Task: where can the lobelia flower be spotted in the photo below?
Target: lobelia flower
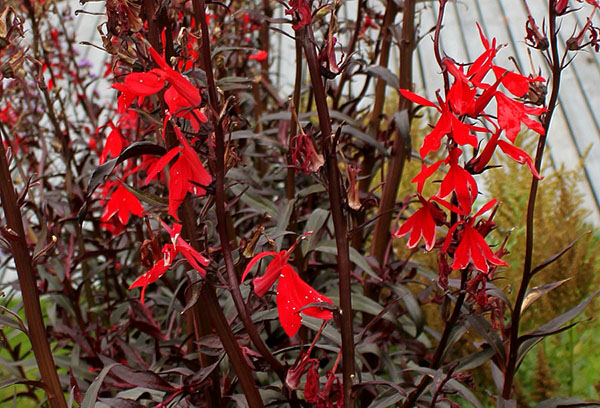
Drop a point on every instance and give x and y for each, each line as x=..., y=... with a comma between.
x=160, y=267
x=458, y=181
x=123, y=203
x=422, y=224
x=187, y=174
x=113, y=144
x=258, y=56
x=472, y=247
x=170, y=251
x=293, y=294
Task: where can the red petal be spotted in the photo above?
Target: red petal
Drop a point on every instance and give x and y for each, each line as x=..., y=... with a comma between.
x=419, y=100
x=258, y=56
x=520, y=156
x=433, y=140
x=183, y=86
x=293, y=294
x=160, y=164
x=254, y=260
x=144, y=83
x=517, y=84
x=461, y=133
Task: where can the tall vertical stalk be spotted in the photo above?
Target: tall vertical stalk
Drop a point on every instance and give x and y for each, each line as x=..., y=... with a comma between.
x=27, y=281
x=339, y=219
x=381, y=234
x=200, y=15
x=556, y=66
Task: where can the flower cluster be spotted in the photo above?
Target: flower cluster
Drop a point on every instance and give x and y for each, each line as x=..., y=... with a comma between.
x=186, y=173
x=463, y=117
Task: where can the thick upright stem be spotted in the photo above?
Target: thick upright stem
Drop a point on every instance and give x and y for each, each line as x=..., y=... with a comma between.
x=200, y=15
x=439, y=351
x=556, y=65
x=339, y=219
x=27, y=282
x=381, y=235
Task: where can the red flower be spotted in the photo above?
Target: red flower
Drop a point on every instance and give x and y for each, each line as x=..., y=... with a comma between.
x=448, y=124
x=181, y=84
x=159, y=269
x=170, y=251
x=459, y=181
x=195, y=259
x=472, y=246
x=258, y=56
x=138, y=85
x=123, y=203
x=520, y=156
x=186, y=174
x=113, y=144
x=512, y=113
x=292, y=292
x=421, y=224
x=180, y=107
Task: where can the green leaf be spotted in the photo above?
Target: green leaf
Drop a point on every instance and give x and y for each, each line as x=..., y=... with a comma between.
x=91, y=395
x=384, y=73
x=484, y=329
x=412, y=307
x=464, y=392
x=328, y=332
x=361, y=303
x=475, y=360
x=145, y=197
x=315, y=223
x=534, y=293
x=365, y=137
x=551, y=327
x=283, y=219
x=255, y=201
x=566, y=402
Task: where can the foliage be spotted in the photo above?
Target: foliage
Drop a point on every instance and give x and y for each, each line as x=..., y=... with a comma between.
x=207, y=241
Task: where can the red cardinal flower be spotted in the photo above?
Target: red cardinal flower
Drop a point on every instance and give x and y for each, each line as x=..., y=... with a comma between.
x=113, y=144
x=180, y=107
x=170, y=251
x=512, y=113
x=292, y=292
x=421, y=224
x=187, y=174
x=195, y=259
x=159, y=269
x=123, y=203
x=138, y=85
x=459, y=181
x=472, y=246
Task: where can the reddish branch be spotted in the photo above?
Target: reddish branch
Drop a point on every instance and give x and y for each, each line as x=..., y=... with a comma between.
x=339, y=219
x=557, y=67
x=38, y=336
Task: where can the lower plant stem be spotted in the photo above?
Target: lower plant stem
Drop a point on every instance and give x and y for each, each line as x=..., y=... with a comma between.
x=27, y=282
x=436, y=361
x=231, y=346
